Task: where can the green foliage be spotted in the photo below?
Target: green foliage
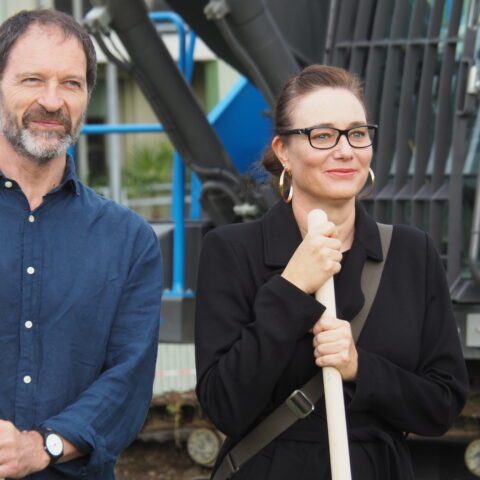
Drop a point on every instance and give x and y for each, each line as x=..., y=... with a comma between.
x=99, y=183
x=146, y=167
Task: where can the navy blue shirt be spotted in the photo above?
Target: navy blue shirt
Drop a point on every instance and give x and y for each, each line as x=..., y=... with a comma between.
x=80, y=288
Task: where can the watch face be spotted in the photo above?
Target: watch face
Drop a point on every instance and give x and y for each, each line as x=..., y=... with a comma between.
x=54, y=444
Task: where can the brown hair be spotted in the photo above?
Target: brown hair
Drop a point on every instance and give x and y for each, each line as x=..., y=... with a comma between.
x=309, y=79
x=14, y=27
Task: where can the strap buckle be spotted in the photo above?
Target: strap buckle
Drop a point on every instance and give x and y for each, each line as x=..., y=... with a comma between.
x=300, y=404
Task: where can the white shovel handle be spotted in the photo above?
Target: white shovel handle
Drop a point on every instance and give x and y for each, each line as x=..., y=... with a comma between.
x=332, y=382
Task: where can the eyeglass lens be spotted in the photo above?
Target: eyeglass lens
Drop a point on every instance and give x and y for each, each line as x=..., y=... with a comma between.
x=325, y=137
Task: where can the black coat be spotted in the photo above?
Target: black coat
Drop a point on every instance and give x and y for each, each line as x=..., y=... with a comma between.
x=253, y=347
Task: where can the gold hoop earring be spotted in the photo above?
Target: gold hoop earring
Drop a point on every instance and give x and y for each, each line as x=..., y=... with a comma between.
x=372, y=186
x=280, y=186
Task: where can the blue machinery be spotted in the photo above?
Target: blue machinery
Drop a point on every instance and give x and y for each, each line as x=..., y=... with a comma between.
x=243, y=141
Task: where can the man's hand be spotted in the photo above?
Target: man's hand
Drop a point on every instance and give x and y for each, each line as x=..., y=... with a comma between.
x=21, y=453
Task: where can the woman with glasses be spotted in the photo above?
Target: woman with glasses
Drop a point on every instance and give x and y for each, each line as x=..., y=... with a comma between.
x=261, y=335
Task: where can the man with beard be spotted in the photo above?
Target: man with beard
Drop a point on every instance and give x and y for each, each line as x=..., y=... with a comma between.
x=80, y=276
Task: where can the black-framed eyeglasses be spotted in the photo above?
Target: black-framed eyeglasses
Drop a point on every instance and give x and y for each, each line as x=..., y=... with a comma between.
x=359, y=136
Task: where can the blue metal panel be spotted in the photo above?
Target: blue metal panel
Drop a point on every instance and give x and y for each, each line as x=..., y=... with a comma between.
x=243, y=123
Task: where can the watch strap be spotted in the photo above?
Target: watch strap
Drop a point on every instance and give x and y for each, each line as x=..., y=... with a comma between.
x=45, y=432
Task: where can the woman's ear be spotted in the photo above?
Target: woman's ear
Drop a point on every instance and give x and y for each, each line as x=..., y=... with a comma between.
x=280, y=149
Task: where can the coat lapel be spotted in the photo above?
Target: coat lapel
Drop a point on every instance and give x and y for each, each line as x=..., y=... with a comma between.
x=366, y=233
x=281, y=235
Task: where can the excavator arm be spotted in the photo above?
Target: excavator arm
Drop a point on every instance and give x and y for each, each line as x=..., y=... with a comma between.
x=225, y=192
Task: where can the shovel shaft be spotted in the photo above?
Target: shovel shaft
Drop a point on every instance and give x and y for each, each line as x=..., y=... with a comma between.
x=332, y=382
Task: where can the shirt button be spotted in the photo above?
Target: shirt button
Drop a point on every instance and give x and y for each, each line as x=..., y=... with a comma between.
x=27, y=379
x=30, y=270
x=28, y=324
x=31, y=218
x=8, y=184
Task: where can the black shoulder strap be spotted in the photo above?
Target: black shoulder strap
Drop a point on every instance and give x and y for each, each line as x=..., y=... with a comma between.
x=302, y=402
x=371, y=275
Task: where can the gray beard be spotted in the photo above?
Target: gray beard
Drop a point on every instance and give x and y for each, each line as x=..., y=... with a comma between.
x=31, y=145
x=37, y=146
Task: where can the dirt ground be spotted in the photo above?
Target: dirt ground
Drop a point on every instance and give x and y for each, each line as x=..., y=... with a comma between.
x=152, y=460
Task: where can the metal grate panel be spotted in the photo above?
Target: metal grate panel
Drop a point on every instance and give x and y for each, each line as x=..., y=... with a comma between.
x=415, y=58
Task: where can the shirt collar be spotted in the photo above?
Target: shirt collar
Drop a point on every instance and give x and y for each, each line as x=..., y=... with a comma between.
x=70, y=179
x=282, y=235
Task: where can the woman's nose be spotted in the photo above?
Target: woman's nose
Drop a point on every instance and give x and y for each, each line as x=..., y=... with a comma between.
x=343, y=146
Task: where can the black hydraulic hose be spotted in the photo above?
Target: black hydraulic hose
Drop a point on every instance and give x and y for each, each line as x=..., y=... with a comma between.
x=251, y=67
x=171, y=97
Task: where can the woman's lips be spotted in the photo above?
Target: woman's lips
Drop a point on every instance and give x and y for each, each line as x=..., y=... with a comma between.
x=342, y=172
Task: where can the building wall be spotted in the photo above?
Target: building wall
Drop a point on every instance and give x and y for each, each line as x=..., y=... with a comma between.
x=9, y=7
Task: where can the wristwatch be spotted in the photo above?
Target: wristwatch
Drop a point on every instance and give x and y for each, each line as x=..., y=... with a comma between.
x=52, y=443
